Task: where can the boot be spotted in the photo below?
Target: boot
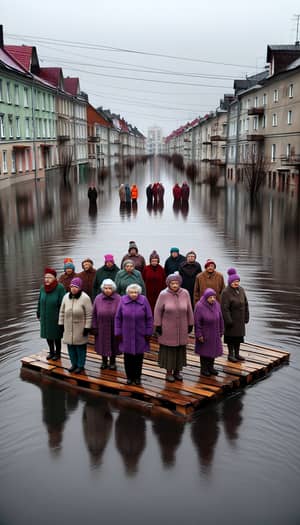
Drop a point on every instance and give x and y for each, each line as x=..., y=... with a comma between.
x=231, y=354
x=51, y=355
x=204, y=366
x=211, y=368
x=177, y=375
x=104, y=363
x=237, y=354
x=112, y=363
x=56, y=356
x=169, y=376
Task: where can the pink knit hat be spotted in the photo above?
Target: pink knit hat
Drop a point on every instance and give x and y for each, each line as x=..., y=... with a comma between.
x=76, y=282
x=109, y=258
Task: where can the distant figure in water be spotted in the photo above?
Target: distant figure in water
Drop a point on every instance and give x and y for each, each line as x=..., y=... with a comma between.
x=92, y=194
x=160, y=192
x=134, y=193
x=122, y=193
x=177, y=192
x=149, y=193
x=185, y=192
x=127, y=193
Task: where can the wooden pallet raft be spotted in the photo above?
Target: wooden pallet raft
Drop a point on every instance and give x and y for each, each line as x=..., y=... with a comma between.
x=182, y=398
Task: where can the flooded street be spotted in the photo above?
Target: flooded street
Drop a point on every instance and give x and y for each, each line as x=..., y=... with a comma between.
x=65, y=458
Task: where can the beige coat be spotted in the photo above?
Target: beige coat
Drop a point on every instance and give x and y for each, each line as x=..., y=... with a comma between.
x=76, y=315
x=205, y=280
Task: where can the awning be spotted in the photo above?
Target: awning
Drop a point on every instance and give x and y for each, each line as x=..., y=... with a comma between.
x=46, y=145
x=20, y=146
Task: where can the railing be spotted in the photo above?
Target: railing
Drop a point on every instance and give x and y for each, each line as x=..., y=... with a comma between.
x=63, y=138
x=217, y=162
x=215, y=138
x=255, y=137
x=290, y=160
x=256, y=111
x=93, y=138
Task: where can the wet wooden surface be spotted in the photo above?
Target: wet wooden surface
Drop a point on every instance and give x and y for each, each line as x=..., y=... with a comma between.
x=181, y=397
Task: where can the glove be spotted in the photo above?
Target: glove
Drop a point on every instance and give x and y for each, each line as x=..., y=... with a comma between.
x=38, y=316
x=158, y=330
x=147, y=338
x=190, y=328
x=201, y=339
x=85, y=332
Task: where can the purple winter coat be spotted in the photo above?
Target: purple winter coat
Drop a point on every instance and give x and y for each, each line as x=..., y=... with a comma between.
x=134, y=322
x=104, y=311
x=209, y=324
x=173, y=312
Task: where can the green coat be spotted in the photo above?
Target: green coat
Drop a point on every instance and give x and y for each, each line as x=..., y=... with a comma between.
x=48, y=311
x=123, y=279
x=103, y=273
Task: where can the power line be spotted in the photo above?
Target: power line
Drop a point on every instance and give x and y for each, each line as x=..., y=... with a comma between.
x=102, y=47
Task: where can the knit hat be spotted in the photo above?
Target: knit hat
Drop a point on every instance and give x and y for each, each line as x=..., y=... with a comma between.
x=69, y=265
x=87, y=260
x=51, y=271
x=174, y=277
x=76, y=282
x=109, y=258
x=232, y=276
x=126, y=262
x=208, y=262
x=191, y=252
x=154, y=255
x=68, y=259
x=174, y=249
x=206, y=294
x=132, y=245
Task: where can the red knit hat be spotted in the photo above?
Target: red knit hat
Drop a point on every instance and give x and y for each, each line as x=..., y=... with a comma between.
x=208, y=262
x=51, y=271
x=68, y=260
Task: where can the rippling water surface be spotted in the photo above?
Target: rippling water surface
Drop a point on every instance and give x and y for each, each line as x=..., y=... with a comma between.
x=65, y=458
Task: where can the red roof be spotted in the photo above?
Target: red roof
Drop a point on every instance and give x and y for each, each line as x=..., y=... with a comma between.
x=71, y=85
x=93, y=117
x=7, y=59
x=23, y=55
x=52, y=75
x=123, y=125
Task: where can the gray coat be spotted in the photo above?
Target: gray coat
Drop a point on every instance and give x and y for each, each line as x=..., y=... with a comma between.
x=235, y=311
x=75, y=314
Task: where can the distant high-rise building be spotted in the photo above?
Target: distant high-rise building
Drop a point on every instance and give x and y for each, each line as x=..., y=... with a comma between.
x=154, y=141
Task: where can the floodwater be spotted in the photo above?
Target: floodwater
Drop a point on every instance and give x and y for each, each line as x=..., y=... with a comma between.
x=67, y=459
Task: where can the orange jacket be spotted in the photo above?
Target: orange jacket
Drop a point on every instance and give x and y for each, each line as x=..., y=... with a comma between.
x=134, y=192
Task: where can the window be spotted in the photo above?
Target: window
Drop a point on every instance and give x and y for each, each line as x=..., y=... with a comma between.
x=255, y=123
x=44, y=101
x=36, y=99
x=8, y=92
x=256, y=102
x=18, y=133
x=264, y=121
x=13, y=161
x=247, y=125
x=274, y=119
x=17, y=98
x=289, y=119
x=275, y=95
x=1, y=90
x=26, y=99
x=273, y=153
x=2, y=130
x=10, y=127
x=265, y=99
x=27, y=159
x=4, y=161
x=27, y=127
x=291, y=90
x=288, y=151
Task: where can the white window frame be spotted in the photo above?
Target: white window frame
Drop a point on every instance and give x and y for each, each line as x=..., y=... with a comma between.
x=27, y=127
x=13, y=161
x=2, y=127
x=1, y=90
x=18, y=129
x=26, y=98
x=289, y=117
x=265, y=99
x=17, y=95
x=4, y=161
x=288, y=151
x=273, y=152
x=274, y=120
x=10, y=127
x=291, y=90
x=275, y=95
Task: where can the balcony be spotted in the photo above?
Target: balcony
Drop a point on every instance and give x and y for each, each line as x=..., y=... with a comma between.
x=255, y=137
x=206, y=143
x=217, y=162
x=205, y=160
x=63, y=138
x=217, y=138
x=256, y=111
x=186, y=140
x=93, y=138
x=291, y=160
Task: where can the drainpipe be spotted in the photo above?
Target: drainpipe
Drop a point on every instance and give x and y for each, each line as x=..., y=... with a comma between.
x=33, y=129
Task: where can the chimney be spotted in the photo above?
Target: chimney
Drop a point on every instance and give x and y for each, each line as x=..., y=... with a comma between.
x=1, y=37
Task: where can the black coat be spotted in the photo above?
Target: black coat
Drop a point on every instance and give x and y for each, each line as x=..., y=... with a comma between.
x=172, y=264
x=235, y=311
x=188, y=272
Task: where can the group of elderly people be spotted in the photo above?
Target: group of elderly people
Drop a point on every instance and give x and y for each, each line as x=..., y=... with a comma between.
x=130, y=306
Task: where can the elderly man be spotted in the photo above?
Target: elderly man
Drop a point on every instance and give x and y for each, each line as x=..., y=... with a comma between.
x=209, y=278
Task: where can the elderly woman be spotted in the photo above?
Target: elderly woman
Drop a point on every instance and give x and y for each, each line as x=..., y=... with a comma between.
x=129, y=275
x=69, y=273
x=75, y=316
x=209, y=328
x=133, y=327
x=173, y=319
x=155, y=279
x=50, y=299
x=235, y=312
x=103, y=317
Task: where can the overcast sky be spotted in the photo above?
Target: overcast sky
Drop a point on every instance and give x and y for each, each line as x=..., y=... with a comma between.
x=219, y=41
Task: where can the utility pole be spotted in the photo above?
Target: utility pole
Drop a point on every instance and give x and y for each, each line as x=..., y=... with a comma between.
x=297, y=18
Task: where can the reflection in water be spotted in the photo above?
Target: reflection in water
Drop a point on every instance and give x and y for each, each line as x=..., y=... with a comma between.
x=205, y=432
x=93, y=209
x=232, y=417
x=169, y=433
x=125, y=209
x=97, y=424
x=130, y=432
